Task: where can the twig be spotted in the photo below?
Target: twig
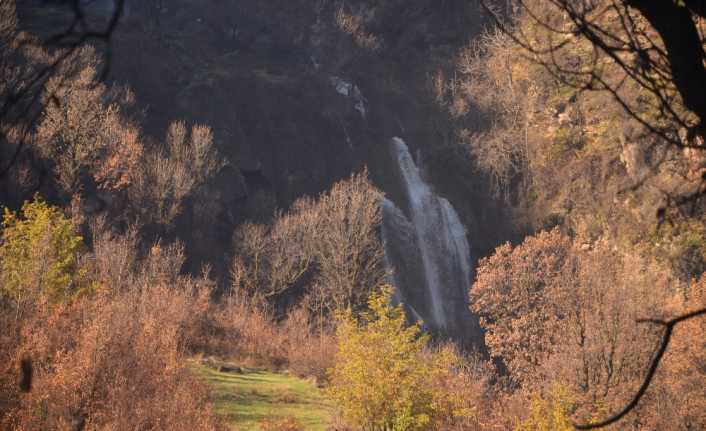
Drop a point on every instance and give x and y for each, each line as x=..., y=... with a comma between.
x=666, y=337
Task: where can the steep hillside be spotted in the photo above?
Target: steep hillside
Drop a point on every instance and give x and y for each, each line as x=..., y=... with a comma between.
x=299, y=95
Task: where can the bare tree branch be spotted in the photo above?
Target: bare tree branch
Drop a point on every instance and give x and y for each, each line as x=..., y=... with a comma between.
x=676, y=68
x=77, y=34
x=654, y=364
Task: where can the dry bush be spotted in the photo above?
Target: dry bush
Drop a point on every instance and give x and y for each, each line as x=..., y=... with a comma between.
x=9, y=355
x=470, y=397
x=113, y=359
x=678, y=395
x=247, y=334
x=119, y=368
x=113, y=260
x=243, y=331
x=310, y=344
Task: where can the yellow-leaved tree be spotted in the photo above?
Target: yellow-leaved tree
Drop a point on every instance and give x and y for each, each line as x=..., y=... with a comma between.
x=384, y=378
x=551, y=412
x=39, y=253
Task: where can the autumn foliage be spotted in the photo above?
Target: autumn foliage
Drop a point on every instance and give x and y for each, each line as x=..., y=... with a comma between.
x=39, y=256
x=385, y=378
x=111, y=358
x=573, y=321
x=104, y=300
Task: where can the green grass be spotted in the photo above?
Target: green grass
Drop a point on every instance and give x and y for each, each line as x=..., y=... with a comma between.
x=245, y=400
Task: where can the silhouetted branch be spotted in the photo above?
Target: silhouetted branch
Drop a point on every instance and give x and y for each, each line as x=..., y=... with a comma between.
x=77, y=33
x=676, y=68
x=654, y=364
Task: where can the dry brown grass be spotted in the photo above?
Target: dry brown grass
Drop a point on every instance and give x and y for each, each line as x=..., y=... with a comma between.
x=289, y=424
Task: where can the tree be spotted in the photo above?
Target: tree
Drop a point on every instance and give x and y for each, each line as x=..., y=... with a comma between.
x=330, y=244
x=516, y=295
x=584, y=326
x=649, y=56
x=167, y=176
x=270, y=260
x=22, y=87
x=491, y=80
x=346, y=243
x=383, y=378
x=87, y=134
x=551, y=413
x=659, y=46
x=683, y=372
x=39, y=255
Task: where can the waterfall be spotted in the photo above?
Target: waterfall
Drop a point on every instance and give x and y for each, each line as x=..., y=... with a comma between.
x=427, y=248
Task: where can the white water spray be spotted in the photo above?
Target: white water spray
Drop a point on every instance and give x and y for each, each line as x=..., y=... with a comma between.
x=435, y=230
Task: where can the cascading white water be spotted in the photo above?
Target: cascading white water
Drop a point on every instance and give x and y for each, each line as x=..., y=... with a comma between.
x=398, y=234
x=432, y=235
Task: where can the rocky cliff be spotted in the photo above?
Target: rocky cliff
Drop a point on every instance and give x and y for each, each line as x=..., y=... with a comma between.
x=299, y=93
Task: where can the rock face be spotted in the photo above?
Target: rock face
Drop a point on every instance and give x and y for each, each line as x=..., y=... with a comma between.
x=284, y=85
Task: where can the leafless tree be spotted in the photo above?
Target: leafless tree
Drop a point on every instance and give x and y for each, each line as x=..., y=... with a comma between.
x=331, y=244
x=346, y=244
x=167, y=176
x=23, y=82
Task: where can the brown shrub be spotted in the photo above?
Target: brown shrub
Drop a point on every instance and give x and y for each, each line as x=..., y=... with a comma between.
x=678, y=396
x=469, y=395
x=246, y=333
x=113, y=359
x=520, y=331
x=310, y=344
